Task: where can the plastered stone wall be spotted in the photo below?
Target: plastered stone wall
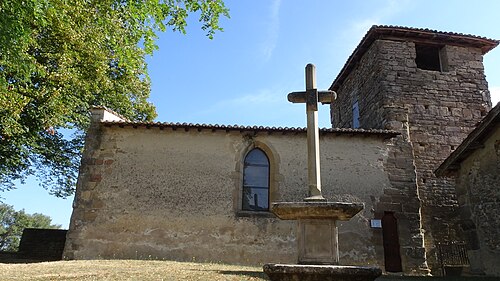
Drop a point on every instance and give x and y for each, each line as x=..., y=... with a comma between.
x=175, y=194
x=478, y=192
x=434, y=111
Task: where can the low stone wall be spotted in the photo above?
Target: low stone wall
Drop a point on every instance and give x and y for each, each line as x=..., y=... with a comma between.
x=37, y=245
x=47, y=244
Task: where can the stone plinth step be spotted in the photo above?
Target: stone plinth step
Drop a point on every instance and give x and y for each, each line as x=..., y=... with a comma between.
x=294, y=272
x=316, y=210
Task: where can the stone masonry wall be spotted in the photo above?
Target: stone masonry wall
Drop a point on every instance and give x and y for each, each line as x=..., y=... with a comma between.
x=174, y=194
x=479, y=199
x=435, y=109
x=365, y=84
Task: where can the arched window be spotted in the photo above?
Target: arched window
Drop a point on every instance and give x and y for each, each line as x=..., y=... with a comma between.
x=256, y=181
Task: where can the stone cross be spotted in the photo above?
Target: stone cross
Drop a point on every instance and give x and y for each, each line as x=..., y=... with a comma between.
x=311, y=97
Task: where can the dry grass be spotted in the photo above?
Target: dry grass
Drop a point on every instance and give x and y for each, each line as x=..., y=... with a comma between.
x=127, y=270
x=142, y=270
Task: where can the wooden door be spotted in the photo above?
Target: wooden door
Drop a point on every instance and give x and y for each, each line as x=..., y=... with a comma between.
x=392, y=255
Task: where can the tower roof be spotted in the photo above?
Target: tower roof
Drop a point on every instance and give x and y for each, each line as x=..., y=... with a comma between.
x=400, y=33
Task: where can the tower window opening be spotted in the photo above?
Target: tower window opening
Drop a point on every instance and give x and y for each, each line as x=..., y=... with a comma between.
x=428, y=57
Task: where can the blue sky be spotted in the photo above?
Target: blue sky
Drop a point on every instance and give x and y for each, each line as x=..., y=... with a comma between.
x=243, y=75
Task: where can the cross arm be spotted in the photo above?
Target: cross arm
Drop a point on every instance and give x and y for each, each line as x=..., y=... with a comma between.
x=301, y=97
x=326, y=96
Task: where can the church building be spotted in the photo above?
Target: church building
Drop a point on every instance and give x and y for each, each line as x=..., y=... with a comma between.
x=406, y=98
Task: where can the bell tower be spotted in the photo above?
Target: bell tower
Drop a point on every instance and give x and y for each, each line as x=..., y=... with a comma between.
x=430, y=86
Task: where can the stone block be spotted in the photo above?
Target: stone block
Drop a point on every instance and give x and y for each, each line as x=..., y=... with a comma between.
x=456, y=112
x=95, y=178
x=293, y=272
x=399, y=178
x=393, y=125
x=318, y=242
x=414, y=252
x=411, y=207
x=393, y=191
x=404, y=163
x=85, y=195
x=89, y=216
x=392, y=207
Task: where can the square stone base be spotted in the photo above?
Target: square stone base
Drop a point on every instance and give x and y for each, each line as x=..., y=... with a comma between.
x=294, y=272
x=317, y=241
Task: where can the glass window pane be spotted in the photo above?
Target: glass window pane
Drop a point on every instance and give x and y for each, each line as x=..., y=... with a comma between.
x=256, y=176
x=355, y=115
x=255, y=199
x=256, y=181
x=256, y=157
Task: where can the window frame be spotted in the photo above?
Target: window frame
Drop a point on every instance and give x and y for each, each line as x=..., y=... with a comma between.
x=250, y=141
x=244, y=187
x=355, y=114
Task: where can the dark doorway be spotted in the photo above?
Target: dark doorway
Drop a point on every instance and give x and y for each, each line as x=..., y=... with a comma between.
x=392, y=256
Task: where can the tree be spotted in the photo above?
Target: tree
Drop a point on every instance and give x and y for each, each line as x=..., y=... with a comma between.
x=58, y=58
x=12, y=224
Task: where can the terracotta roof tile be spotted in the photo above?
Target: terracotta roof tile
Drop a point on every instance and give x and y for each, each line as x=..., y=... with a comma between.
x=214, y=127
x=411, y=33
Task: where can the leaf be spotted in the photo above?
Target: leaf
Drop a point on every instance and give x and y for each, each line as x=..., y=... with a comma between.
x=59, y=58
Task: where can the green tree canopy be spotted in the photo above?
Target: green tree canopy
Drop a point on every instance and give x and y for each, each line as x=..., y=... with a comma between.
x=58, y=58
x=12, y=224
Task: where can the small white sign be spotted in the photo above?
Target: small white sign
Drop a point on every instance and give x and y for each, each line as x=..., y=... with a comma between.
x=376, y=223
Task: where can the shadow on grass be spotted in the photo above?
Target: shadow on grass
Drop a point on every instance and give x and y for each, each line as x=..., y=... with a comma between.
x=20, y=257
x=22, y=261
x=244, y=273
x=434, y=278
x=262, y=275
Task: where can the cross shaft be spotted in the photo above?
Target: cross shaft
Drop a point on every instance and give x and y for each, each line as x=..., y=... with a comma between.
x=311, y=97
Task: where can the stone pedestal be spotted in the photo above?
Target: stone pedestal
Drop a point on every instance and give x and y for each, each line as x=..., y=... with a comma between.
x=295, y=272
x=318, y=242
x=317, y=234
